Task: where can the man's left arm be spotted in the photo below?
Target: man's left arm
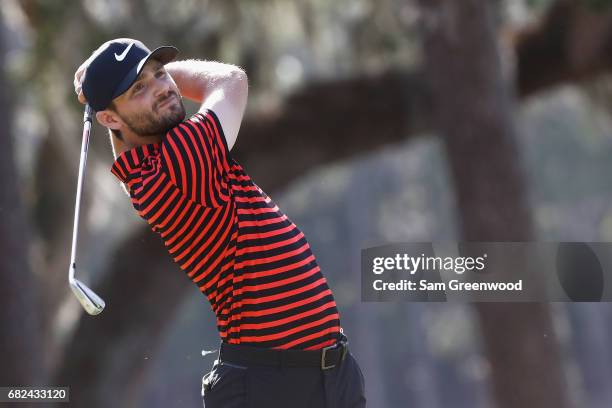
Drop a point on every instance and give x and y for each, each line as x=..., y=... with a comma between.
x=222, y=88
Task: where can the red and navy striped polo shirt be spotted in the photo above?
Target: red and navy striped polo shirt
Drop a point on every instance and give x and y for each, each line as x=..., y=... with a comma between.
x=251, y=262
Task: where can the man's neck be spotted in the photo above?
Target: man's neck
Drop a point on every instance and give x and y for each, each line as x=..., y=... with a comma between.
x=132, y=141
x=144, y=140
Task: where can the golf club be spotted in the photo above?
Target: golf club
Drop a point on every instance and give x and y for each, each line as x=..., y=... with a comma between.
x=91, y=302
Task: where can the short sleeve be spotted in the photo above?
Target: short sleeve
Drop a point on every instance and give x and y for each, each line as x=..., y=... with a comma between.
x=197, y=158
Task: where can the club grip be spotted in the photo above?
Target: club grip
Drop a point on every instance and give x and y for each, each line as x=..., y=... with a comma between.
x=88, y=114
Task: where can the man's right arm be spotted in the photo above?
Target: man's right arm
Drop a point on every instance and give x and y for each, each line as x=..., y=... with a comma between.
x=221, y=88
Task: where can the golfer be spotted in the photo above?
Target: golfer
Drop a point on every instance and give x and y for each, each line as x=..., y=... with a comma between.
x=282, y=344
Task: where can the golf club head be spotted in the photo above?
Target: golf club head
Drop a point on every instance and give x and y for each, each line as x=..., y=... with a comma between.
x=91, y=302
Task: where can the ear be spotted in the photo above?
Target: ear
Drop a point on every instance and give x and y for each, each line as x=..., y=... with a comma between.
x=109, y=119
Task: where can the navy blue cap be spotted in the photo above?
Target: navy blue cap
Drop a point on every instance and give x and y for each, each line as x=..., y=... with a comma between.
x=114, y=67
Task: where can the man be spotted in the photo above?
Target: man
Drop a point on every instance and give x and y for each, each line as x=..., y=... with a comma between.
x=281, y=340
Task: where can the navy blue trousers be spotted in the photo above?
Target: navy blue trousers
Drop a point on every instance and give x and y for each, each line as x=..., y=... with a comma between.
x=230, y=385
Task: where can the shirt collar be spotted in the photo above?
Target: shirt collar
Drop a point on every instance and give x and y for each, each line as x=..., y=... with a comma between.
x=127, y=165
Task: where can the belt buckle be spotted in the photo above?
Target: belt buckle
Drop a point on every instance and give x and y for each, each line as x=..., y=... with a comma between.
x=342, y=343
x=323, y=366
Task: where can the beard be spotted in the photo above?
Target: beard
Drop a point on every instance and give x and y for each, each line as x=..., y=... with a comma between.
x=151, y=123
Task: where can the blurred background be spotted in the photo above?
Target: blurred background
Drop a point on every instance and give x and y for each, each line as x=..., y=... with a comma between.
x=369, y=122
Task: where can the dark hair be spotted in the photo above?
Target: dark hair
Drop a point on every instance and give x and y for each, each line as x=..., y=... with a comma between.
x=116, y=133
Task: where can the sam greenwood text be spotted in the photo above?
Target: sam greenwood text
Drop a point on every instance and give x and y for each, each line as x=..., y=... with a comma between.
x=454, y=285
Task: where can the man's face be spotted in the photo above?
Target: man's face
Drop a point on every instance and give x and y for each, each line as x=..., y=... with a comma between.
x=152, y=105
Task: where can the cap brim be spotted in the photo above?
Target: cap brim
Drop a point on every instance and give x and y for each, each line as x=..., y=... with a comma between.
x=164, y=54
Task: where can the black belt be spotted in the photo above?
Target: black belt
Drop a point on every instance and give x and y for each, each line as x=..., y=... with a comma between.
x=326, y=358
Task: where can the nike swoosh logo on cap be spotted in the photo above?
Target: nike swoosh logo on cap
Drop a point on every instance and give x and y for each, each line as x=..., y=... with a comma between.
x=124, y=53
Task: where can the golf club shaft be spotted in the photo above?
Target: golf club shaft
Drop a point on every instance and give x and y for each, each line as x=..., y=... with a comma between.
x=87, y=118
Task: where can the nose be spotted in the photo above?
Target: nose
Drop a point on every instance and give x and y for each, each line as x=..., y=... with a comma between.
x=162, y=87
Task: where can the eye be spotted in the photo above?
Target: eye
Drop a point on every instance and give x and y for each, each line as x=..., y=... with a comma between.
x=160, y=74
x=138, y=87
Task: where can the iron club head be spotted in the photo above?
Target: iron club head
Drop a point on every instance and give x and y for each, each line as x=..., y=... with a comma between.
x=91, y=302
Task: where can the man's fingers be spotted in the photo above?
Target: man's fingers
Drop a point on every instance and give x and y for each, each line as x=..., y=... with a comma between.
x=79, y=91
x=78, y=82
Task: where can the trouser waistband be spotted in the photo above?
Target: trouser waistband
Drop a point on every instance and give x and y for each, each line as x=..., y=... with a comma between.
x=325, y=358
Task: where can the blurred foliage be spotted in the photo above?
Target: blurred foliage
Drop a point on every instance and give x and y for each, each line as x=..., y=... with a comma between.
x=324, y=38
x=599, y=5
x=537, y=4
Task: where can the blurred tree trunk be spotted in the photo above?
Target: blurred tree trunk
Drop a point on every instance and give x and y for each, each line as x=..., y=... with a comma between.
x=20, y=342
x=473, y=113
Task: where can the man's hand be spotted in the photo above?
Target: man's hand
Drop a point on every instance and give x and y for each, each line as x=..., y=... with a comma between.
x=78, y=82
